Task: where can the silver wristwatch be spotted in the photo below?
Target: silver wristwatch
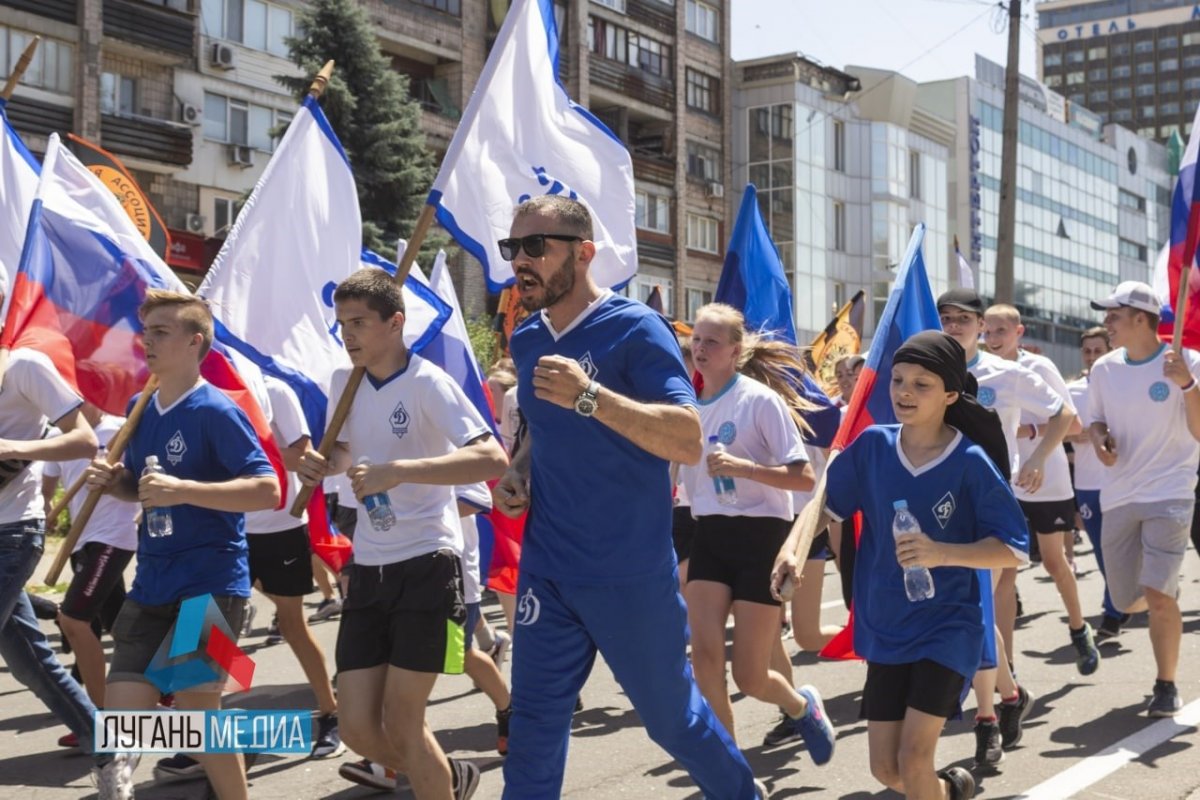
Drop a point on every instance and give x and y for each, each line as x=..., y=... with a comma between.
x=586, y=404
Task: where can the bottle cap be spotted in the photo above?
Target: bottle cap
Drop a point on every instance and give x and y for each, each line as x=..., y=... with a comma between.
x=151, y=461
x=364, y=461
x=899, y=504
x=712, y=440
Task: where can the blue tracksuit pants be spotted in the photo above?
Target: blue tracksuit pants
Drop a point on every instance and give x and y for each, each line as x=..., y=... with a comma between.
x=1088, y=501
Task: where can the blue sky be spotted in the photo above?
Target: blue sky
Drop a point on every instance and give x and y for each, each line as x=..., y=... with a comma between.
x=923, y=39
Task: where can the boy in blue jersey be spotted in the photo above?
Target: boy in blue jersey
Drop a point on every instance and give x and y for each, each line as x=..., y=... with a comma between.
x=942, y=459
x=608, y=406
x=215, y=471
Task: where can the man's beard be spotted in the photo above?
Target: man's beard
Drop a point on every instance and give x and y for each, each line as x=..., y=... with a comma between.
x=555, y=288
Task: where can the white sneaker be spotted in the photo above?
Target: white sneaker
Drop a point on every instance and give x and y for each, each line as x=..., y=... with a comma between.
x=500, y=649
x=114, y=781
x=326, y=610
x=248, y=620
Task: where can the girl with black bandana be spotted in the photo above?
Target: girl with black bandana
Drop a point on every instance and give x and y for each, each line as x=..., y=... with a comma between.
x=947, y=460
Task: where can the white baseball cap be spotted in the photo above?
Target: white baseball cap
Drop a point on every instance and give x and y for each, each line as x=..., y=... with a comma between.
x=1133, y=294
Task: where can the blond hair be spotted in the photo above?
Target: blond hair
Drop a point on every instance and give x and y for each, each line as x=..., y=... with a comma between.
x=777, y=364
x=192, y=312
x=1004, y=311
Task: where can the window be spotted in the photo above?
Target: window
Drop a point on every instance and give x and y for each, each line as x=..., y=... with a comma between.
x=1147, y=132
x=615, y=5
x=635, y=50
x=1098, y=74
x=1122, y=115
x=1147, y=112
x=1145, y=68
x=1191, y=62
x=1054, y=80
x=1168, y=64
x=1052, y=60
x=1144, y=46
x=1166, y=109
x=703, y=162
x=914, y=174
x=1098, y=96
x=1191, y=38
x=1145, y=90
x=653, y=211
x=1131, y=200
x=1122, y=93
x=449, y=6
x=1121, y=71
x=51, y=67
x=1121, y=49
x=253, y=23
x=695, y=299
x=225, y=211
x=839, y=226
x=839, y=145
x=1168, y=87
x=1074, y=78
x=1097, y=53
x=1191, y=84
x=703, y=92
x=702, y=20
x=1130, y=249
x=702, y=233
x=118, y=94
x=1075, y=57
x=237, y=122
x=1168, y=43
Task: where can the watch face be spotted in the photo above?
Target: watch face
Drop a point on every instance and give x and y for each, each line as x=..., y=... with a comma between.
x=585, y=406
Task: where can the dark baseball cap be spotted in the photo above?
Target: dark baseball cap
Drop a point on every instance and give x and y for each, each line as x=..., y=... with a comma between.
x=966, y=299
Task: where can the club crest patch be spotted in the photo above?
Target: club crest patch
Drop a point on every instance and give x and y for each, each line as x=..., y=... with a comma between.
x=176, y=447
x=1159, y=391
x=400, y=421
x=727, y=433
x=587, y=364
x=986, y=396
x=943, y=510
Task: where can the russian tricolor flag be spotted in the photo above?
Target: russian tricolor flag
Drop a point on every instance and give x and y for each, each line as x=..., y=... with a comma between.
x=1185, y=234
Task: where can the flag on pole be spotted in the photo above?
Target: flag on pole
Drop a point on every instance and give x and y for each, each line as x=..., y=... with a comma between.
x=1185, y=235
x=655, y=300
x=18, y=186
x=966, y=276
x=522, y=136
x=841, y=337
x=113, y=174
x=83, y=275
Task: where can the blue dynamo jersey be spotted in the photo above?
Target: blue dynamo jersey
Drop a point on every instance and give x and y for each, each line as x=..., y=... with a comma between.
x=203, y=437
x=959, y=497
x=601, y=505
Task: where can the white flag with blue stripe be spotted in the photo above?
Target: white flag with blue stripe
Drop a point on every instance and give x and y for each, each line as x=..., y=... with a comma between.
x=522, y=136
x=298, y=236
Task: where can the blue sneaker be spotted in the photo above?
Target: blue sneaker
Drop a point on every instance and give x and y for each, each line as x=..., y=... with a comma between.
x=815, y=728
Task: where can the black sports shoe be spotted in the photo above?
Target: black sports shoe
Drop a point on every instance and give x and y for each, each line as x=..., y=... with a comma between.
x=988, y=752
x=1110, y=627
x=1166, y=702
x=783, y=732
x=1087, y=655
x=962, y=783
x=1012, y=717
x=328, y=742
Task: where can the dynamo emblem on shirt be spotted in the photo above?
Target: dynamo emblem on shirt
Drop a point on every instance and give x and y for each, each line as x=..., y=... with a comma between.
x=986, y=396
x=1159, y=391
x=400, y=420
x=943, y=510
x=529, y=608
x=587, y=364
x=727, y=433
x=176, y=447
x=1085, y=511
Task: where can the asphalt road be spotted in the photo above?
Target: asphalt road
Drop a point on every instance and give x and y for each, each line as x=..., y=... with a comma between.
x=1086, y=737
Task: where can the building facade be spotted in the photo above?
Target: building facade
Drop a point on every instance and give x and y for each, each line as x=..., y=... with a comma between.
x=1136, y=63
x=184, y=92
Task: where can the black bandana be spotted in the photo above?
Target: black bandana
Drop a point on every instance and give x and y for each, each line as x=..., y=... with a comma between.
x=939, y=353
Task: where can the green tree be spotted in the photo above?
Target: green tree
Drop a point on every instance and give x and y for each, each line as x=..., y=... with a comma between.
x=369, y=107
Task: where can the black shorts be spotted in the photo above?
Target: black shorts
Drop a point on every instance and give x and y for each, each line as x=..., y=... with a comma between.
x=820, y=549
x=738, y=552
x=409, y=614
x=683, y=532
x=281, y=562
x=140, y=630
x=99, y=575
x=924, y=685
x=1049, y=516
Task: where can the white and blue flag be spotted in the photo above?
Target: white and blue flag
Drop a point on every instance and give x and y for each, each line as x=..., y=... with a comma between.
x=298, y=236
x=522, y=136
x=18, y=185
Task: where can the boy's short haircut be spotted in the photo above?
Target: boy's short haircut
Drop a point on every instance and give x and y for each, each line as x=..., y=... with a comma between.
x=851, y=360
x=1097, y=332
x=1004, y=311
x=374, y=287
x=194, y=313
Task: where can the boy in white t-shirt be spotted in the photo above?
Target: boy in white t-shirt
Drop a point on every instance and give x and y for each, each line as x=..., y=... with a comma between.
x=413, y=436
x=1145, y=409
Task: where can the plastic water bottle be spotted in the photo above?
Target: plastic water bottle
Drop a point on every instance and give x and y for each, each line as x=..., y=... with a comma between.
x=723, y=485
x=379, y=506
x=158, y=520
x=918, y=583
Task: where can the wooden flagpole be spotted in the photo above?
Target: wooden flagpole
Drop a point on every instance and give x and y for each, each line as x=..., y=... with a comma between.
x=18, y=72
x=329, y=440
x=1181, y=304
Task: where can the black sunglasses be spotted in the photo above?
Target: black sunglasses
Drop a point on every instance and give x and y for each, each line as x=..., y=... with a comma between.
x=534, y=244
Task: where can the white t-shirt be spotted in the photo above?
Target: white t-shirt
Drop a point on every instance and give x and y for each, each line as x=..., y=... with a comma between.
x=113, y=522
x=340, y=485
x=288, y=426
x=510, y=419
x=420, y=412
x=32, y=396
x=1156, y=454
x=1056, y=482
x=752, y=422
x=1090, y=473
x=479, y=497
x=1009, y=389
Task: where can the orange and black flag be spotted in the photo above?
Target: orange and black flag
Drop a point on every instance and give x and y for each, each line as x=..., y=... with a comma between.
x=510, y=314
x=113, y=174
x=842, y=336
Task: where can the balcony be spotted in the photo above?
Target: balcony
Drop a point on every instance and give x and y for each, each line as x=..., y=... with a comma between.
x=653, y=13
x=60, y=10
x=656, y=169
x=150, y=26
x=33, y=117
x=147, y=139
x=632, y=83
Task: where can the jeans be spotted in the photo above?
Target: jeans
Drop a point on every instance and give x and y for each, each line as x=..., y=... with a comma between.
x=23, y=646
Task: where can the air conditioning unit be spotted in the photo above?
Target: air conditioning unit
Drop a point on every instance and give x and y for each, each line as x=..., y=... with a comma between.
x=715, y=189
x=221, y=56
x=192, y=115
x=194, y=223
x=241, y=155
